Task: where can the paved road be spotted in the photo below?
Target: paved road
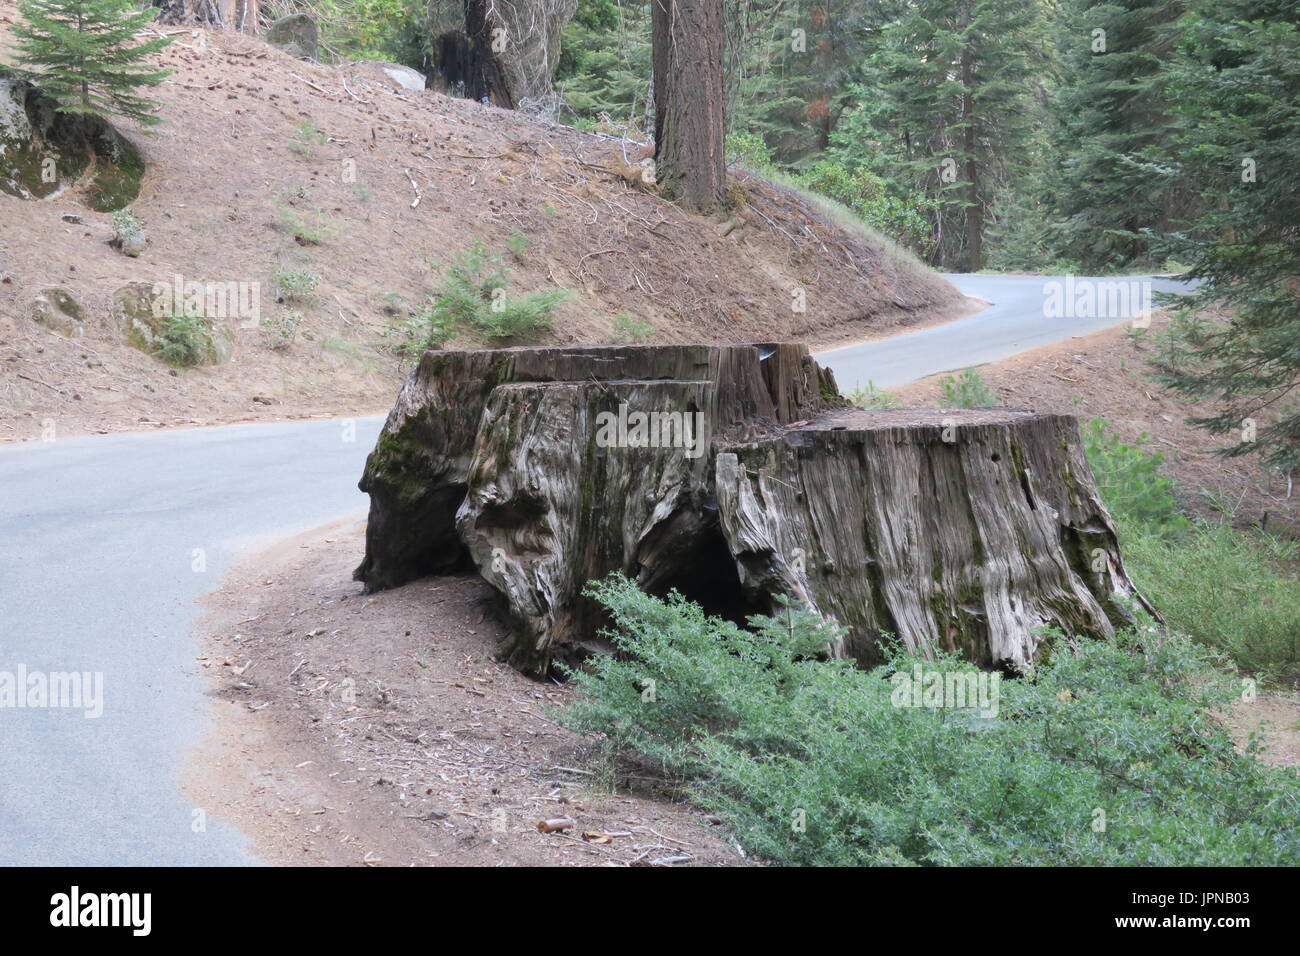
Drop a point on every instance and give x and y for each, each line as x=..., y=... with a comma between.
x=1015, y=320
x=97, y=542
x=97, y=549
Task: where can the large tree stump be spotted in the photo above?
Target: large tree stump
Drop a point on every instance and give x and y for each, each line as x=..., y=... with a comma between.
x=736, y=475
x=965, y=531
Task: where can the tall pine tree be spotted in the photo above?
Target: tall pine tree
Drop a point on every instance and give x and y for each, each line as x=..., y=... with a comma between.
x=1110, y=184
x=956, y=110
x=85, y=55
x=1238, y=87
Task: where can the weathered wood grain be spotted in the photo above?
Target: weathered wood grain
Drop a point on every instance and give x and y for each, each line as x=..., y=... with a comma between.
x=968, y=531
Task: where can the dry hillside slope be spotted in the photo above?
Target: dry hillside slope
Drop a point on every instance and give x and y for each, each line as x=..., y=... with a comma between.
x=396, y=182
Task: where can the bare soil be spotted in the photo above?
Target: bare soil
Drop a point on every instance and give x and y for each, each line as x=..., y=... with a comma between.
x=401, y=181
x=379, y=730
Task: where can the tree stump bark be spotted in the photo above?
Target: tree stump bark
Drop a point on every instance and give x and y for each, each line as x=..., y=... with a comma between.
x=736, y=474
x=967, y=531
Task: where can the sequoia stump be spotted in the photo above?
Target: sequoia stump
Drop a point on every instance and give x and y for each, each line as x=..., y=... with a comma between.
x=738, y=475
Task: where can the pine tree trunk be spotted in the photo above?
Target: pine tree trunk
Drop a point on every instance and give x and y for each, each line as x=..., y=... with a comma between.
x=974, y=212
x=690, y=164
x=236, y=15
x=965, y=531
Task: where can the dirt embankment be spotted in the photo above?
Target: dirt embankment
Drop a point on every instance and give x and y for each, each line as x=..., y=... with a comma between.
x=255, y=144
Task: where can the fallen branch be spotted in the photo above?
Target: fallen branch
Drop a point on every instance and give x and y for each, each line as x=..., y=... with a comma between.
x=313, y=85
x=416, y=201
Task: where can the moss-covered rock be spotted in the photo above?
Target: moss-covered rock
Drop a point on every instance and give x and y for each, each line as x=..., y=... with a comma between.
x=139, y=315
x=59, y=312
x=44, y=152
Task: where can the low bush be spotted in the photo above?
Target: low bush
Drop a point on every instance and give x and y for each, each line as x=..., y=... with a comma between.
x=1228, y=589
x=470, y=296
x=967, y=390
x=869, y=396
x=184, y=340
x=1108, y=754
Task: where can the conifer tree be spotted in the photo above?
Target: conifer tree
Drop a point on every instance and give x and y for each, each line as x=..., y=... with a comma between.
x=84, y=54
x=1114, y=132
x=1238, y=87
x=956, y=107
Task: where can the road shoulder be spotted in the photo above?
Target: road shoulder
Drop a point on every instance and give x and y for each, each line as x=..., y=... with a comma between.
x=379, y=730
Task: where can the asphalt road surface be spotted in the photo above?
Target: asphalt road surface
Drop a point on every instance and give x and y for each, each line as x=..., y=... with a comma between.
x=100, y=539
x=106, y=542
x=1022, y=315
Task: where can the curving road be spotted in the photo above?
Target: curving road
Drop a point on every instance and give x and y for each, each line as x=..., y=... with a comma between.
x=106, y=543
x=1020, y=316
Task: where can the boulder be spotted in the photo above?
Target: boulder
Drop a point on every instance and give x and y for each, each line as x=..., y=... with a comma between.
x=140, y=320
x=59, y=312
x=296, y=35
x=406, y=77
x=44, y=152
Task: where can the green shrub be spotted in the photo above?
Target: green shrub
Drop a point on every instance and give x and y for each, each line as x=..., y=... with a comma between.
x=749, y=149
x=185, y=340
x=1129, y=480
x=526, y=317
x=126, y=226
x=471, y=297
x=517, y=242
x=305, y=137
x=967, y=390
x=630, y=330
x=1224, y=588
x=296, y=285
x=1227, y=589
x=310, y=230
x=1106, y=755
x=869, y=396
x=903, y=218
x=278, y=330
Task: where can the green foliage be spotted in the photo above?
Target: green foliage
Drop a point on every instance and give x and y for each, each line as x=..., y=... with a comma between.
x=1107, y=755
x=1237, y=86
x=866, y=195
x=126, y=226
x=1130, y=482
x=1111, y=180
x=296, y=285
x=629, y=329
x=1227, y=589
x=85, y=55
x=470, y=296
x=869, y=396
x=310, y=229
x=279, y=330
x=184, y=340
x=305, y=137
x=517, y=242
x=967, y=390
x=604, y=69
x=749, y=149
x=950, y=112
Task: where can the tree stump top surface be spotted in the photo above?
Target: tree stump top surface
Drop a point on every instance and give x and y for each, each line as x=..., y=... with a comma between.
x=863, y=419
